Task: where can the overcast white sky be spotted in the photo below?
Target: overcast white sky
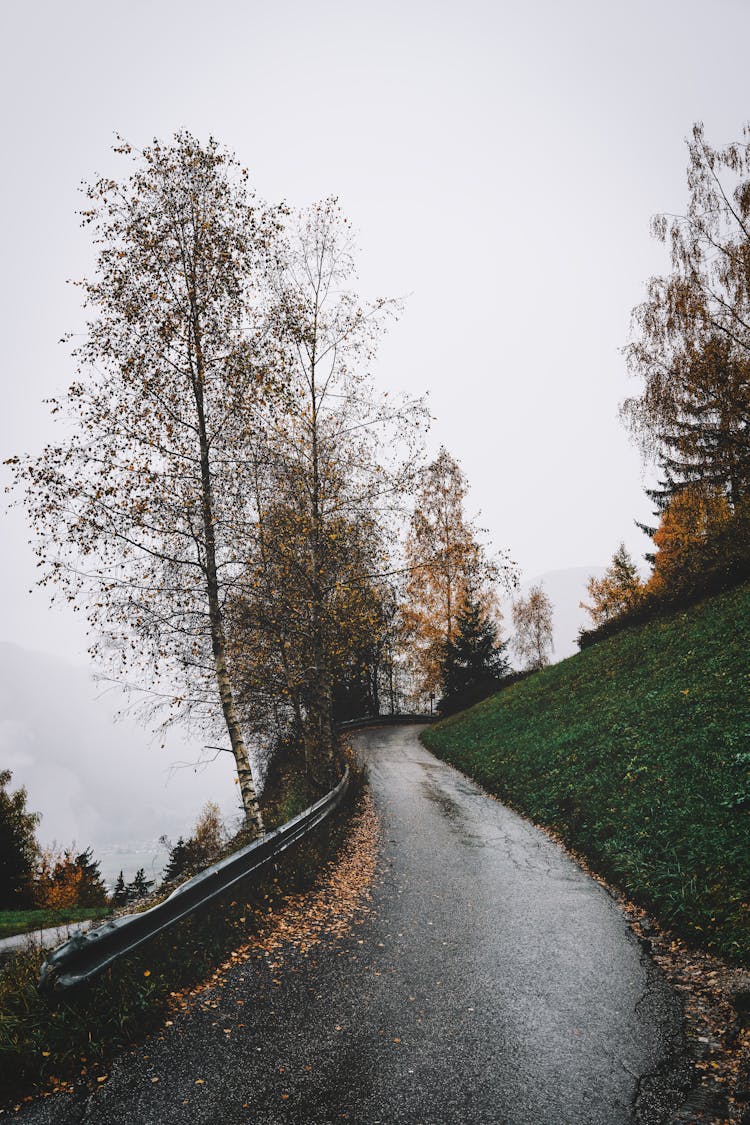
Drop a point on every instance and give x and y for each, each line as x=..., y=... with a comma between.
x=500, y=161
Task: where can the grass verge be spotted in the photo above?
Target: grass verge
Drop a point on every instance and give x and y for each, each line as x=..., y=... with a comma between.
x=637, y=753
x=49, y=1044
x=14, y=922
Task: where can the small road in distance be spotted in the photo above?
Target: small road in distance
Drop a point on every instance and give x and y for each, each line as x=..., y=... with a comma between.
x=492, y=982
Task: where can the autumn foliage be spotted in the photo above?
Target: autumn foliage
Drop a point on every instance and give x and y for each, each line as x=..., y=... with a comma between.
x=188, y=856
x=690, y=526
x=691, y=351
x=617, y=592
x=64, y=879
x=222, y=503
x=532, y=618
x=448, y=571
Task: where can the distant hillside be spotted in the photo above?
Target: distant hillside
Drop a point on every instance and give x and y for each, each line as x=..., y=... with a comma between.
x=636, y=750
x=94, y=779
x=566, y=590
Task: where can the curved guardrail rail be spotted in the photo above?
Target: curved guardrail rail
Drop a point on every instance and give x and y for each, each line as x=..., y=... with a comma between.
x=84, y=955
x=396, y=719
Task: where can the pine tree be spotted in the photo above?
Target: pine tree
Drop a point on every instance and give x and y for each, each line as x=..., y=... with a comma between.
x=120, y=893
x=91, y=889
x=617, y=592
x=18, y=846
x=691, y=345
x=140, y=886
x=447, y=563
x=474, y=660
x=706, y=442
x=180, y=862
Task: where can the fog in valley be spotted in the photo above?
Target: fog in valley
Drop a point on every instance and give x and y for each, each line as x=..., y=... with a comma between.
x=96, y=780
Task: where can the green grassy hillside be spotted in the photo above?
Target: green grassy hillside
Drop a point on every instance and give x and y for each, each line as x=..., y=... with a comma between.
x=637, y=751
x=26, y=921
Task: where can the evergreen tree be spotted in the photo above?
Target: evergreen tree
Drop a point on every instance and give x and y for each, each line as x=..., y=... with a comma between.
x=91, y=889
x=706, y=440
x=691, y=346
x=120, y=893
x=617, y=592
x=473, y=660
x=180, y=862
x=140, y=886
x=186, y=857
x=18, y=846
x=704, y=435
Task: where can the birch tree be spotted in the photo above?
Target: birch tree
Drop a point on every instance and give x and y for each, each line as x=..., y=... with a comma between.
x=141, y=510
x=446, y=564
x=333, y=471
x=532, y=618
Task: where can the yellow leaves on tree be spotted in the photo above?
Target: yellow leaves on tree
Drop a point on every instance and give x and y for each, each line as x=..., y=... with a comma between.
x=446, y=563
x=58, y=880
x=693, y=519
x=619, y=590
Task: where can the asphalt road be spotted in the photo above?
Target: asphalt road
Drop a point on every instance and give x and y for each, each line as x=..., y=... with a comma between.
x=493, y=983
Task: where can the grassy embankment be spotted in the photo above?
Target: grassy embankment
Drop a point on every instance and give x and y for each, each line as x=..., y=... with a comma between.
x=637, y=752
x=26, y=921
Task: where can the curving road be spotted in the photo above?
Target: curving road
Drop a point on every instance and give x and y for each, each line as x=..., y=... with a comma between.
x=493, y=983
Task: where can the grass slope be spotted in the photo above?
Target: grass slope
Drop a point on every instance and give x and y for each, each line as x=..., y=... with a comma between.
x=637, y=751
x=26, y=921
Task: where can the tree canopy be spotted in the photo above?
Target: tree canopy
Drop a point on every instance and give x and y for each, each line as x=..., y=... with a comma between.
x=447, y=566
x=532, y=618
x=141, y=509
x=691, y=340
x=618, y=591
x=18, y=846
x=474, y=659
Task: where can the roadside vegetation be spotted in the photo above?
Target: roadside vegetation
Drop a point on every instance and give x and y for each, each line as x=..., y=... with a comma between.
x=28, y=921
x=55, y=1043
x=637, y=752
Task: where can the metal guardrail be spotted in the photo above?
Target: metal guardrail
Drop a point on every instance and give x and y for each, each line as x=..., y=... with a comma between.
x=85, y=955
x=386, y=720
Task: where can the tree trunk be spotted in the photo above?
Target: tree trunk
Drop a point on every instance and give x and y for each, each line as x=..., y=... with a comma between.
x=321, y=706
x=253, y=816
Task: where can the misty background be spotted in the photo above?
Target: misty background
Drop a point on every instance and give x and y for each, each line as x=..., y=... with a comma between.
x=501, y=163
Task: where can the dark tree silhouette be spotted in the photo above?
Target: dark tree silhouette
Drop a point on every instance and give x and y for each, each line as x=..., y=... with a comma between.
x=474, y=660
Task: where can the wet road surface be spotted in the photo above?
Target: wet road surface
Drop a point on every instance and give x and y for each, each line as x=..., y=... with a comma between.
x=492, y=983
